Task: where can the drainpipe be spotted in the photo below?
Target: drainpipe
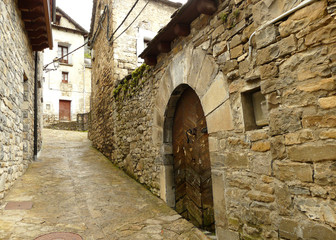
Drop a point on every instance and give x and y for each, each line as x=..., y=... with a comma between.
x=84, y=88
x=53, y=11
x=35, y=107
x=301, y=5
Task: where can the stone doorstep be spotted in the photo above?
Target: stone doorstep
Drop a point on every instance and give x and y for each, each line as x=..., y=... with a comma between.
x=22, y=205
x=60, y=236
x=210, y=235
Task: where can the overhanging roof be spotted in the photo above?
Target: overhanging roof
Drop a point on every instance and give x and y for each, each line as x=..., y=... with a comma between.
x=177, y=27
x=79, y=29
x=36, y=15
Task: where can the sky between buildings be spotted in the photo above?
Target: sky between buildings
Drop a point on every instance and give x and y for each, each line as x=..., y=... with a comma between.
x=81, y=10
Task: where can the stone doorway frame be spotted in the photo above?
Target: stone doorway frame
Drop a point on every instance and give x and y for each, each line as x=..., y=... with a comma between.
x=167, y=184
x=191, y=67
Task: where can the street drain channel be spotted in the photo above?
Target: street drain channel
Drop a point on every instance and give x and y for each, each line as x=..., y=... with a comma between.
x=23, y=205
x=60, y=236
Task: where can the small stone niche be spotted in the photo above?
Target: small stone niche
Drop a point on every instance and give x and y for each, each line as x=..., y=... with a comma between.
x=255, y=111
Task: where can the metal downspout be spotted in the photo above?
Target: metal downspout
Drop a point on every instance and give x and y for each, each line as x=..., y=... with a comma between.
x=84, y=88
x=301, y=5
x=35, y=107
x=53, y=11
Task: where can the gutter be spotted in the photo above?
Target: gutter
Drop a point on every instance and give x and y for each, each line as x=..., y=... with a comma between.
x=301, y=5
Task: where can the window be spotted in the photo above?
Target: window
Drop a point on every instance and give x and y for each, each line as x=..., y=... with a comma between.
x=61, y=52
x=260, y=109
x=65, y=77
x=254, y=109
x=25, y=78
x=143, y=38
x=58, y=19
x=146, y=42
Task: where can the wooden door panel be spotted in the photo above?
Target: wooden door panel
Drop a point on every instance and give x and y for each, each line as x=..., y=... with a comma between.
x=181, y=206
x=206, y=179
x=181, y=191
x=191, y=179
x=194, y=213
x=207, y=197
x=64, y=110
x=192, y=170
x=194, y=194
x=208, y=218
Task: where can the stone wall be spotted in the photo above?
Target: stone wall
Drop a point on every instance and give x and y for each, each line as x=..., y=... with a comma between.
x=111, y=63
x=153, y=18
x=270, y=182
x=82, y=121
x=16, y=96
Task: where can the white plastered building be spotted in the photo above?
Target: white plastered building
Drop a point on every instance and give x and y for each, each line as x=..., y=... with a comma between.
x=67, y=89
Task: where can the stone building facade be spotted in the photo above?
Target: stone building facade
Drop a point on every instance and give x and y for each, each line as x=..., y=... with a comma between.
x=269, y=105
x=114, y=59
x=67, y=89
x=21, y=66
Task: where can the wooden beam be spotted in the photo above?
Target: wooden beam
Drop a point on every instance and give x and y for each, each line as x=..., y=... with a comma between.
x=164, y=47
x=47, y=17
x=36, y=34
x=36, y=16
x=34, y=26
x=151, y=60
x=182, y=30
x=27, y=4
x=32, y=8
x=28, y=17
x=38, y=41
x=207, y=7
x=39, y=47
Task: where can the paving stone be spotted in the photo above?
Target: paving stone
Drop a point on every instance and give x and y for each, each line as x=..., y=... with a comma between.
x=70, y=196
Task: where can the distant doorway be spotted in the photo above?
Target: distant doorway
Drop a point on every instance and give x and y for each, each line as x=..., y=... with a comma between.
x=64, y=110
x=191, y=164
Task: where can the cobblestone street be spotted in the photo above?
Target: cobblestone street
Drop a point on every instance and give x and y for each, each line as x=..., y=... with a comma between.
x=74, y=188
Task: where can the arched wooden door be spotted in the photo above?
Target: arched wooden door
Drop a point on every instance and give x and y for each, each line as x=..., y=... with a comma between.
x=192, y=170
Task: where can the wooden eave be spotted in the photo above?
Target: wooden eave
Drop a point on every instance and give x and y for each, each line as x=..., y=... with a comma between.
x=36, y=15
x=179, y=26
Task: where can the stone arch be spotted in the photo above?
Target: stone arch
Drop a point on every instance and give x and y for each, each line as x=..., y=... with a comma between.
x=186, y=134
x=193, y=68
x=167, y=178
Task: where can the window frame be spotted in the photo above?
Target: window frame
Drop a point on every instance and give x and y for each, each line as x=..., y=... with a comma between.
x=62, y=58
x=143, y=36
x=249, y=110
x=63, y=77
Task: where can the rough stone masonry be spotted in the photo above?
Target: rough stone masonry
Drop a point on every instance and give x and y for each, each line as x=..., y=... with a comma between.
x=16, y=96
x=275, y=181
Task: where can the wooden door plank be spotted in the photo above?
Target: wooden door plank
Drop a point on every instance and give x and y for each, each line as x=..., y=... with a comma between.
x=192, y=168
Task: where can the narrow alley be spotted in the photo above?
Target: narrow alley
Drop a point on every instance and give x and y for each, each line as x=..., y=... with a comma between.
x=73, y=188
